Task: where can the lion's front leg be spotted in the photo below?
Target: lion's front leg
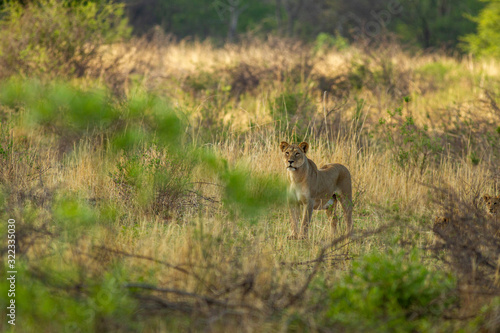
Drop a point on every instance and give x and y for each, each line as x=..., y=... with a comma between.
x=306, y=218
x=294, y=208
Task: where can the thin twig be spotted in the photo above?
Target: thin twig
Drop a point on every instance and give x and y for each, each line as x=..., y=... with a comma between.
x=138, y=256
x=206, y=299
x=320, y=258
x=209, y=199
x=207, y=183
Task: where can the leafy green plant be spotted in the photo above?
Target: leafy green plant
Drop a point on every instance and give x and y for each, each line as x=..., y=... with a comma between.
x=324, y=41
x=289, y=104
x=202, y=81
x=390, y=292
x=60, y=299
x=54, y=38
x=474, y=158
x=250, y=195
x=428, y=24
x=435, y=71
x=358, y=75
x=153, y=181
x=486, y=41
x=412, y=145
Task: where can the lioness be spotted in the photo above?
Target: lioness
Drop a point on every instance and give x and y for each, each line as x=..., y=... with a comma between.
x=492, y=204
x=314, y=188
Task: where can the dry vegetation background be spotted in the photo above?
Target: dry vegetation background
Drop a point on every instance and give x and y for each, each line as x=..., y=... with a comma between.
x=144, y=237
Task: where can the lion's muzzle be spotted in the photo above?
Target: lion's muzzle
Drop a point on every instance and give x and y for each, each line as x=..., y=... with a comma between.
x=290, y=167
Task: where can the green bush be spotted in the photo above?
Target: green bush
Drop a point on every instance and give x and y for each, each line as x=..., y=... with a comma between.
x=60, y=108
x=437, y=72
x=413, y=146
x=250, y=195
x=433, y=24
x=325, y=41
x=358, y=75
x=486, y=42
x=390, y=292
x=153, y=180
x=57, y=38
x=290, y=104
x=52, y=298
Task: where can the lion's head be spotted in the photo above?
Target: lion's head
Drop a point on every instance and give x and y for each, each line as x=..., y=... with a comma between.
x=294, y=155
x=441, y=224
x=492, y=204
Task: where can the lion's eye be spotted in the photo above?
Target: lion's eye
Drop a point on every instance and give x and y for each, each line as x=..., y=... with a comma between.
x=296, y=154
x=287, y=154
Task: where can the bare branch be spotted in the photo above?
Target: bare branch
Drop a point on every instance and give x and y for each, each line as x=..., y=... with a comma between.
x=321, y=257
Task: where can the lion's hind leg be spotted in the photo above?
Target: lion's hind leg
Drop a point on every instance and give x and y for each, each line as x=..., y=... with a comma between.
x=331, y=212
x=347, y=206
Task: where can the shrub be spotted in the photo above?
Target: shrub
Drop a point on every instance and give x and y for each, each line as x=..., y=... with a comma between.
x=154, y=180
x=392, y=292
x=486, y=41
x=436, y=72
x=289, y=104
x=64, y=299
x=412, y=145
x=58, y=38
x=325, y=41
x=358, y=75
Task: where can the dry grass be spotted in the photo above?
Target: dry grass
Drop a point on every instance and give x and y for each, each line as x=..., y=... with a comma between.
x=230, y=96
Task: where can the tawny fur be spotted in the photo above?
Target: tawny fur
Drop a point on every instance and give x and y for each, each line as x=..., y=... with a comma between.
x=492, y=205
x=446, y=226
x=313, y=188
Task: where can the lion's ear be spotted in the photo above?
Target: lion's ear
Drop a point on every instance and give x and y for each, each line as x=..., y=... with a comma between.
x=486, y=197
x=304, y=146
x=283, y=145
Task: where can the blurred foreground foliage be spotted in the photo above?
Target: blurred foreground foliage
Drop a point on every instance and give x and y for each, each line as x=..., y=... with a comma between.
x=150, y=160
x=129, y=127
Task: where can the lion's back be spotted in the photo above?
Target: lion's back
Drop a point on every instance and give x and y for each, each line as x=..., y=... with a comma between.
x=337, y=169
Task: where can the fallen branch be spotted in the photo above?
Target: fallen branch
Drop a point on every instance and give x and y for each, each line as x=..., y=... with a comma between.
x=206, y=299
x=321, y=257
x=138, y=256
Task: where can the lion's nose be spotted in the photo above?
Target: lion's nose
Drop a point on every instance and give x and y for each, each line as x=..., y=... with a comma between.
x=290, y=162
